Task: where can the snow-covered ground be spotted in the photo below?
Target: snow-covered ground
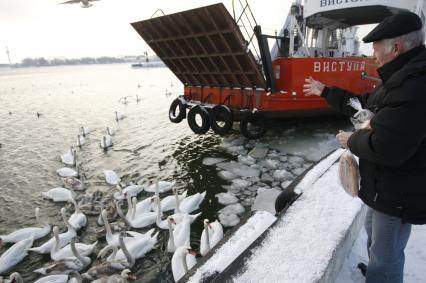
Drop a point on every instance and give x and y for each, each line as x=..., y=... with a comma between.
x=415, y=258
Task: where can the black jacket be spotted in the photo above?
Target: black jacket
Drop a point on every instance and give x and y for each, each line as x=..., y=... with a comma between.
x=392, y=156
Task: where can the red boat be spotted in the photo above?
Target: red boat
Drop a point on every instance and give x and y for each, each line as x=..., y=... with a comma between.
x=226, y=81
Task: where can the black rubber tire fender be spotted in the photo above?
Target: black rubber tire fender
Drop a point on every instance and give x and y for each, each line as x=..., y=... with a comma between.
x=224, y=114
x=174, y=106
x=258, y=120
x=192, y=114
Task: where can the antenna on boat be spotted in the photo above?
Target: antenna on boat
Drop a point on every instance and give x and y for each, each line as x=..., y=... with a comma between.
x=8, y=56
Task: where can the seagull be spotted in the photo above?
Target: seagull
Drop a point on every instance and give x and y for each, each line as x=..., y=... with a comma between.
x=84, y=3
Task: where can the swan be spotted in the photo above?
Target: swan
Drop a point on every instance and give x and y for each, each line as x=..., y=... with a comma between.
x=81, y=140
x=122, y=278
x=72, y=277
x=15, y=277
x=135, y=249
x=109, y=131
x=57, y=254
x=77, y=220
x=25, y=233
x=139, y=221
x=106, y=267
x=138, y=207
x=212, y=234
x=106, y=141
x=169, y=202
x=112, y=239
x=111, y=213
x=59, y=194
x=84, y=131
x=177, y=217
x=163, y=186
x=64, y=238
x=69, y=158
x=74, y=183
x=191, y=203
x=69, y=172
x=75, y=263
x=119, y=117
x=180, y=235
x=183, y=260
x=132, y=191
x=111, y=177
x=15, y=254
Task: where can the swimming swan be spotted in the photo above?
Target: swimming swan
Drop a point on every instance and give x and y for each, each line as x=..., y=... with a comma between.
x=57, y=254
x=212, y=234
x=139, y=221
x=25, y=233
x=183, y=260
x=132, y=191
x=119, y=117
x=64, y=238
x=59, y=194
x=81, y=140
x=106, y=142
x=163, y=186
x=69, y=157
x=179, y=235
x=75, y=263
x=77, y=220
x=191, y=203
x=15, y=254
x=69, y=172
x=111, y=177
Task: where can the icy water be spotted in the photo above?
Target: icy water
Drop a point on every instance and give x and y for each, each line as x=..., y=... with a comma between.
x=146, y=144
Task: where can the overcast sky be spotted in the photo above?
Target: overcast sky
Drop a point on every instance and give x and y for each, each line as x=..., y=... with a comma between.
x=43, y=28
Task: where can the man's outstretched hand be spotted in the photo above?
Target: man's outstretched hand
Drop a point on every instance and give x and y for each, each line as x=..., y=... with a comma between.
x=312, y=87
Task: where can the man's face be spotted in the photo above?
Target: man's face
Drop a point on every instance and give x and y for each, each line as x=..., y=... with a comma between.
x=383, y=52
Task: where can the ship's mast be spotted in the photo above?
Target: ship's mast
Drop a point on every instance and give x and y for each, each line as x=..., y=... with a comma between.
x=8, y=56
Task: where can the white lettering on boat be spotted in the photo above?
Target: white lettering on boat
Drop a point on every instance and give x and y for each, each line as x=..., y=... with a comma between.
x=324, y=3
x=342, y=66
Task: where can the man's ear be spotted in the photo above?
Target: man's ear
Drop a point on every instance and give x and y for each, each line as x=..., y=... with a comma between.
x=397, y=48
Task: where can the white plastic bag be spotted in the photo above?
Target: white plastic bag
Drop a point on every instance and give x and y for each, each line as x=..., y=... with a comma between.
x=361, y=119
x=349, y=173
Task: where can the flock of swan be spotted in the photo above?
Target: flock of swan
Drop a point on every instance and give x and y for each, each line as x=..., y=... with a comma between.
x=70, y=259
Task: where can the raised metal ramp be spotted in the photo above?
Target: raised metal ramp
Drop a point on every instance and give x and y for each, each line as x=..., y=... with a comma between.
x=203, y=47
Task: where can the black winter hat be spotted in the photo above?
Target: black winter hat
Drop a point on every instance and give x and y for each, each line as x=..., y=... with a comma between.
x=394, y=26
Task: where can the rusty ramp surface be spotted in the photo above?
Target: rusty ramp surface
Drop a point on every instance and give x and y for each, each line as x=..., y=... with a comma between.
x=203, y=47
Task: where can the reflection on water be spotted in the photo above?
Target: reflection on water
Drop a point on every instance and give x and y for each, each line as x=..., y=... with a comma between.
x=146, y=144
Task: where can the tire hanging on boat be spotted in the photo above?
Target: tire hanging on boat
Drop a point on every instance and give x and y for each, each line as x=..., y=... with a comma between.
x=192, y=115
x=253, y=125
x=177, y=105
x=221, y=119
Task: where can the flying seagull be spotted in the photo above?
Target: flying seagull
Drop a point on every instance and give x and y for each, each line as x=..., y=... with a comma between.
x=84, y=3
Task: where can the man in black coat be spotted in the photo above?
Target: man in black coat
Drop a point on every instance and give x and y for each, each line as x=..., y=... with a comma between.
x=392, y=151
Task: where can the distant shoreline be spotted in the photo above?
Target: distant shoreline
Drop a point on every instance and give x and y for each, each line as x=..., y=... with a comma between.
x=42, y=62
